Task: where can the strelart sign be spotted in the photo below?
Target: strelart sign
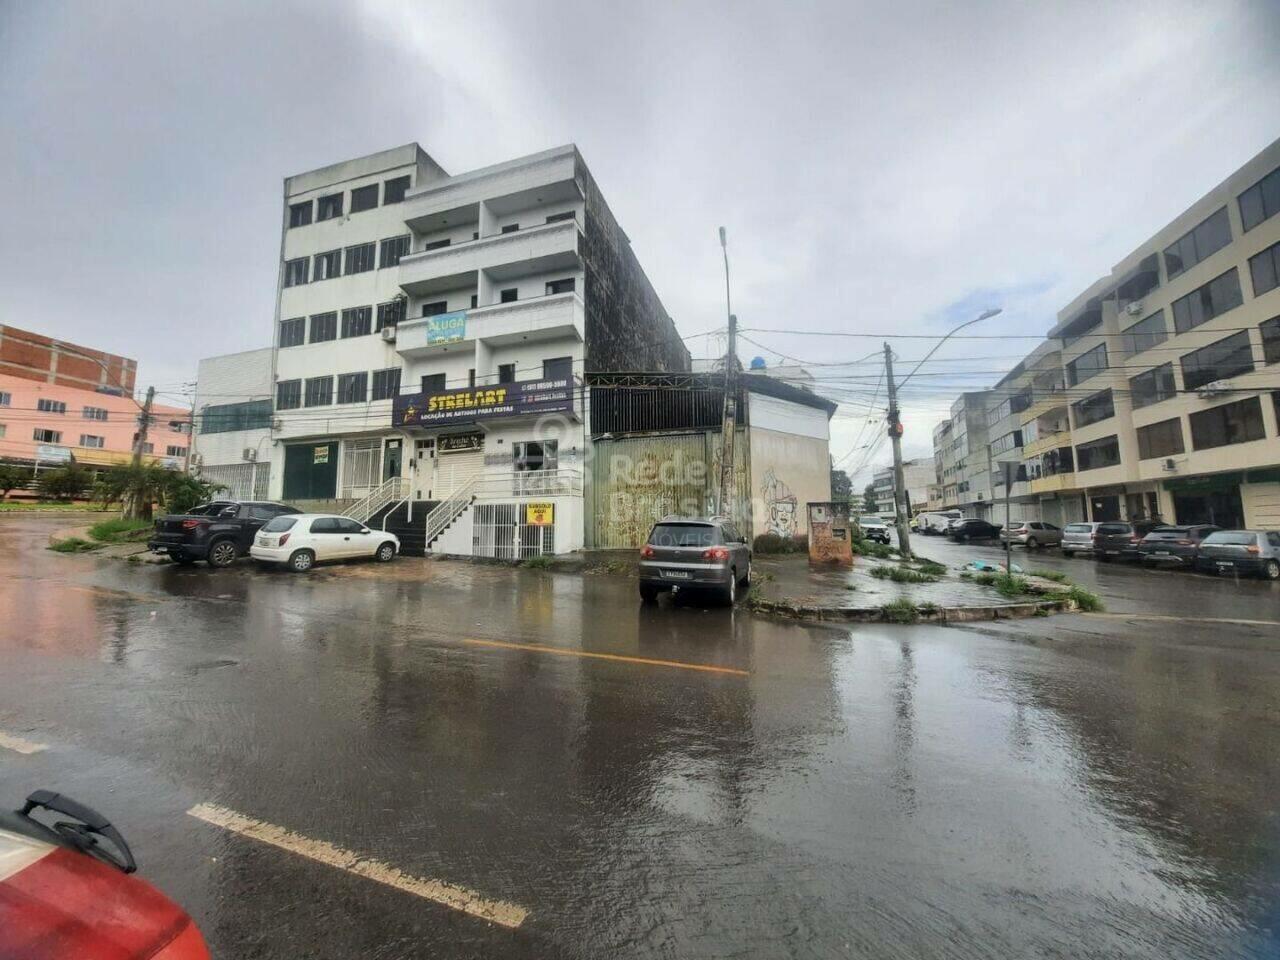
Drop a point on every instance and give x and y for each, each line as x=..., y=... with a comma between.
x=483, y=403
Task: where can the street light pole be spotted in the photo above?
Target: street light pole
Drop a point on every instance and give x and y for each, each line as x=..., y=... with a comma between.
x=728, y=419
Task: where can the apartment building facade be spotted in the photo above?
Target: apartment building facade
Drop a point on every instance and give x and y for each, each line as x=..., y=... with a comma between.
x=1156, y=394
x=62, y=402
x=917, y=475
x=432, y=336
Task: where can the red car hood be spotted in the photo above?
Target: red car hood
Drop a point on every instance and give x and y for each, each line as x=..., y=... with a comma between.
x=59, y=903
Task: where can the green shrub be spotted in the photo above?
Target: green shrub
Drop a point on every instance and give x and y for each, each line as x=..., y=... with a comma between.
x=932, y=568
x=12, y=478
x=64, y=483
x=1084, y=600
x=1054, y=575
x=74, y=545
x=869, y=548
x=773, y=543
x=984, y=579
x=1010, y=585
x=900, y=611
x=537, y=563
x=118, y=530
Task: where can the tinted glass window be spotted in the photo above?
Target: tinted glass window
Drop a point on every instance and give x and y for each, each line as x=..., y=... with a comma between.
x=1087, y=365
x=682, y=535
x=1077, y=528
x=324, y=525
x=1113, y=528
x=1099, y=453
x=279, y=524
x=1162, y=439
x=1265, y=269
x=1216, y=297
x=1230, y=423
x=1238, y=537
x=1152, y=386
x=209, y=509
x=261, y=511
x=1145, y=334
x=346, y=525
x=1092, y=409
x=1261, y=201
x=1208, y=237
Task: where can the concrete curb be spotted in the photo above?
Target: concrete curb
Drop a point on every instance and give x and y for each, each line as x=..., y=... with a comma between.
x=996, y=611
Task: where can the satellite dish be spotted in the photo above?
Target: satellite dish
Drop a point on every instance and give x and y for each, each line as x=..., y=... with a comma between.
x=757, y=363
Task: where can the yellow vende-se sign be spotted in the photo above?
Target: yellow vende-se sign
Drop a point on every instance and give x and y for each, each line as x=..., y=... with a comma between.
x=539, y=514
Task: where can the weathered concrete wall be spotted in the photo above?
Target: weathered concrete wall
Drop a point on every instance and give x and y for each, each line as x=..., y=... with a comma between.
x=788, y=470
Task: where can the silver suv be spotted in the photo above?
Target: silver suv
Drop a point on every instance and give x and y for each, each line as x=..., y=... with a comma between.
x=694, y=553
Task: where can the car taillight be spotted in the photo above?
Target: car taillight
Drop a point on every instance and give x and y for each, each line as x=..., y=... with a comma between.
x=1093, y=538
x=715, y=553
x=284, y=538
x=646, y=552
x=192, y=524
x=1135, y=539
x=1184, y=543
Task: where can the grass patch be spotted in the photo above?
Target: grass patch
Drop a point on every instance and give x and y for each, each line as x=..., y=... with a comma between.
x=27, y=506
x=932, y=568
x=966, y=574
x=902, y=575
x=928, y=609
x=985, y=579
x=118, y=530
x=74, y=545
x=1054, y=575
x=869, y=548
x=534, y=563
x=1084, y=600
x=1010, y=585
x=901, y=611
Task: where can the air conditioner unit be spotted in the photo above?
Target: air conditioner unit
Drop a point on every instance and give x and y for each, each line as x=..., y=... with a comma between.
x=1134, y=309
x=1214, y=388
x=249, y=453
x=1169, y=465
x=389, y=334
x=277, y=424
x=196, y=460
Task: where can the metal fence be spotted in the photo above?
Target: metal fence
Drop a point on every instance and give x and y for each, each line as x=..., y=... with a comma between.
x=243, y=481
x=497, y=531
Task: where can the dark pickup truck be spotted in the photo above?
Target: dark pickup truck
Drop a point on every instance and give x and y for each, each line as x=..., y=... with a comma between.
x=216, y=532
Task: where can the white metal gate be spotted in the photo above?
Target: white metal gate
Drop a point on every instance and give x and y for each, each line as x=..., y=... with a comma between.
x=497, y=531
x=361, y=467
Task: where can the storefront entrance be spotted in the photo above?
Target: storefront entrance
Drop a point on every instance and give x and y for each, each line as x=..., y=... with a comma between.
x=1222, y=508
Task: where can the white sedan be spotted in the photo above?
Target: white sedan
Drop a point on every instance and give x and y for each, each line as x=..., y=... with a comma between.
x=301, y=540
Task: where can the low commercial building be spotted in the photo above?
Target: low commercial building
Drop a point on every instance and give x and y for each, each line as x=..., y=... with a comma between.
x=62, y=402
x=232, y=442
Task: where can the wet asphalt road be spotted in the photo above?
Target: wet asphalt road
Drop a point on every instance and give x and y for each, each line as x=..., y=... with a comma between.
x=1075, y=786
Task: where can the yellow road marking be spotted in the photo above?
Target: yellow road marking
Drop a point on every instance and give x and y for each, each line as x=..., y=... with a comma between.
x=1166, y=619
x=445, y=894
x=10, y=742
x=566, y=652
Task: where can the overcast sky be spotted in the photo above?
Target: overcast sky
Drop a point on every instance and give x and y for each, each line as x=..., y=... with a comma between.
x=880, y=167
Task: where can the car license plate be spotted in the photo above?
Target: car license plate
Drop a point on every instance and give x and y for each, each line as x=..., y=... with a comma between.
x=1225, y=565
x=1112, y=553
x=159, y=549
x=1162, y=553
x=677, y=574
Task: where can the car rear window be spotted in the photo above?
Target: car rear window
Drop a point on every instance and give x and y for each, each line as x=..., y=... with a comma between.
x=1077, y=528
x=683, y=535
x=279, y=524
x=209, y=509
x=1239, y=537
x=1113, y=528
x=1168, y=533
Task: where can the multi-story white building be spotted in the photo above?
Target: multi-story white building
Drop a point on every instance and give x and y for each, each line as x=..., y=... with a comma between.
x=431, y=337
x=918, y=475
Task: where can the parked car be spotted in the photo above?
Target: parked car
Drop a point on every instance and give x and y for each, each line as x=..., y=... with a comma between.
x=873, y=528
x=216, y=532
x=1175, y=545
x=1241, y=551
x=1119, y=539
x=698, y=553
x=302, y=540
x=935, y=523
x=966, y=530
x=1032, y=534
x=66, y=891
x=1078, y=538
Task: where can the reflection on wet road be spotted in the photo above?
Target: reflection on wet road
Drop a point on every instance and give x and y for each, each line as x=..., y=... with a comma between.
x=1065, y=787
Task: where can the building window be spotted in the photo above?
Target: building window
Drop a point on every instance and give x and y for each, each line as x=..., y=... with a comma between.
x=393, y=249
x=319, y=391
x=560, y=286
x=475, y=300
x=324, y=326
x=534, y=455
x=393, y=191
x=435, y=307
x=1093, y=409
x=300, y=214
x=40, y=435
x=1237, y=422
x=1202, y=241
x=1087, y=365
x=437, y=244
x=386, y=383
x=95, y=413
x=4, y=429
x=1098, y=454
x=390, y=313
x=1225, y=358
x=91, y=441
x=230, y=417
x=1215, y=298
x=1162, y=439
x=1270, y=341
x=432, y=382
x=1260, y=201
x=148, y=448
x=557, y=368
x=1010, y=441
x=328, y=265
x=1152, y=386
x=288, y=394
x=511, y=228
x=295, y=272
x=1144, y=334
x=172, y=451
x=357, y=321
x=1265, y=269
x=180, y=426
x=329, y=207
x=510, y=295
x=506, y=373
x=360, y=258
x=51, y=406
x=293, y=332
x=364, y=198
x=557, y=217
x=471, y=377
x=353, y=387
x=6, y=398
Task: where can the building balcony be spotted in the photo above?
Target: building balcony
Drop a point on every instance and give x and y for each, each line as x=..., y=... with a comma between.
x=551, y=317
x=1050, y=441
x=546, y=248
x=1053, y=483
x=1043, y=406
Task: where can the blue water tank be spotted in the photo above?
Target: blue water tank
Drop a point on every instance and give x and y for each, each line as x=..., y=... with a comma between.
x=757, y=363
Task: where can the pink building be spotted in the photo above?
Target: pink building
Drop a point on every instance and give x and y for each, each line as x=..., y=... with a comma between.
x=58, y=400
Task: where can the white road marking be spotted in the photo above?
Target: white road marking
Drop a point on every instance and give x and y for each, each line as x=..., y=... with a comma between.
x=10, y=742
x=446, y=894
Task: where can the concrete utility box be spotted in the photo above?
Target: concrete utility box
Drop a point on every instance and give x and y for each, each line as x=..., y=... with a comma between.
x=830, y=534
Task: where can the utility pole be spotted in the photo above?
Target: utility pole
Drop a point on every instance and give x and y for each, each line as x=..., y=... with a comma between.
x=728, y=421
x=895, y=436
x=133, y=506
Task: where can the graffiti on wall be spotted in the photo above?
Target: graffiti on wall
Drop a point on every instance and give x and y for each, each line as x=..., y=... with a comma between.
x=781, y=505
